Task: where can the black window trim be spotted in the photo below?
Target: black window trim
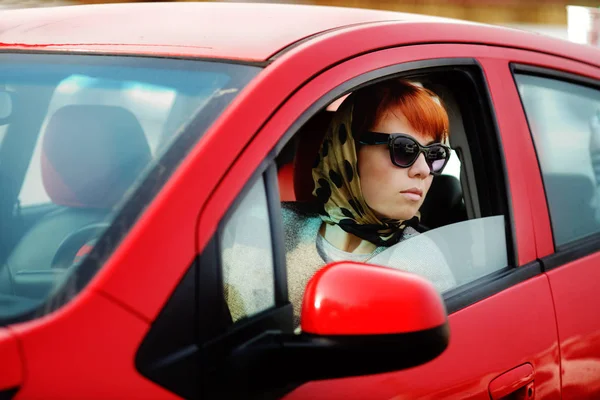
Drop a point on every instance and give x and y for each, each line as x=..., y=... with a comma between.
x=543, y=72
x=484, y=287
x=590, y=244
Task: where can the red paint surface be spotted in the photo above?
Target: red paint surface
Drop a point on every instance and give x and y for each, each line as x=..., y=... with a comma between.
x=84, y=351
x=486, y=339
x=576, y=298
x=11, y=366
x=212, y=30
x=356, y=299
x=238, y=31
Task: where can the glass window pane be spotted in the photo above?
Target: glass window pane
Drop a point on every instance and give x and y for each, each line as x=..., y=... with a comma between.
x=452, y=255
x=564, y=123
x=247, y=256
x=83, y=134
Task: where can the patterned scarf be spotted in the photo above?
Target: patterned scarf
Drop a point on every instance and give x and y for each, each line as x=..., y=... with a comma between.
x=338, y=190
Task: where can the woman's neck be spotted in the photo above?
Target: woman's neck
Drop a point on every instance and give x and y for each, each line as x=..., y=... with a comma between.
x=345, y=241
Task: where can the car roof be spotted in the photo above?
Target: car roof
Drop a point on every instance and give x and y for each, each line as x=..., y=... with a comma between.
x=223, y=30
x=237, y=31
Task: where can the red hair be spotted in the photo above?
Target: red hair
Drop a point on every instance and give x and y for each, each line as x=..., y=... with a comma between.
x=421, y=107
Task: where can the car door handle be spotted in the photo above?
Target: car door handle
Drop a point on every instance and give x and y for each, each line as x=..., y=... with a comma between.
x=518, y=383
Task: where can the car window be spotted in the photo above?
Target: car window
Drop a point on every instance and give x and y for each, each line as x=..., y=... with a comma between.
x=247, y=257
x=469, y=250
x=448, y=247
x=149, y=103
x=85, y=133
x=564, y=119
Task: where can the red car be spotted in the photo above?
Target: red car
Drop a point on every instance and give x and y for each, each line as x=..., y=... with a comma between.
x=143, y=145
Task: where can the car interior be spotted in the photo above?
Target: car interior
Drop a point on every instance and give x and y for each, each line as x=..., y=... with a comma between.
x=110, y=157
x=445, y=204
x=453, y=198
x=76, y=140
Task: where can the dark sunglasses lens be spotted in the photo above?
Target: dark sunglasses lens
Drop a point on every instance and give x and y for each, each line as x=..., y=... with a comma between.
x=405, y=151
x=437, y=157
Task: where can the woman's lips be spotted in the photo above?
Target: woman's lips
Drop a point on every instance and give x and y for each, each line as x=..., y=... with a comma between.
x=413, y=194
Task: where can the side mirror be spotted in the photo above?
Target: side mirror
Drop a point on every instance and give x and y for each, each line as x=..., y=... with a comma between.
x=366, y=319
x=356, y=319
x=6, y=106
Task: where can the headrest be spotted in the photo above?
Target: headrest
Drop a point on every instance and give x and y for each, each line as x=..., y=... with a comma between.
x=444, y=202
x=91, y=155
x=310, y=137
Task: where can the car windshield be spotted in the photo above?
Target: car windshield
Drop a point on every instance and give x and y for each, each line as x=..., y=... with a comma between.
x=79, y=135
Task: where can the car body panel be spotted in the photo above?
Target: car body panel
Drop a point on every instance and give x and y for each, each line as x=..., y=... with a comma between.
x=508, y=329
x=483, y=328
x=94, y=334
x=200, y=34
x=481, y=348
x=11, y=367
x=203, y=29
x=575, y=291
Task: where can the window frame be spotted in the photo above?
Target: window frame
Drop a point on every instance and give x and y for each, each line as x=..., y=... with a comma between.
x=493, y=283
x=584, y=246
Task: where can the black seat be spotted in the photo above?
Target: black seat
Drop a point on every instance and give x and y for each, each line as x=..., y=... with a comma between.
x=91, y=155
x=444, y=203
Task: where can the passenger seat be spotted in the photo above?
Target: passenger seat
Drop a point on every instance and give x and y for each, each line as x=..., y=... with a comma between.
x=91, y=156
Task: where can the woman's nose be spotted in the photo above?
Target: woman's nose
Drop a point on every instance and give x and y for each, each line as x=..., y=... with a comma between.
x=419, y=168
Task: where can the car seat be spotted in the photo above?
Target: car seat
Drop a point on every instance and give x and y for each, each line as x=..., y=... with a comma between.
x=91, y=155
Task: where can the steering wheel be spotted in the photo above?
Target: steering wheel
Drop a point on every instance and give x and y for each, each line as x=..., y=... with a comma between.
x=67, y=251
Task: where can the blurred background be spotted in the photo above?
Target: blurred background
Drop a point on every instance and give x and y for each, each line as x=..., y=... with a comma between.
x=549, y=17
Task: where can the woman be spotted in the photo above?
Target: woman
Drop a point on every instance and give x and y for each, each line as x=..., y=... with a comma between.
x=374, y=169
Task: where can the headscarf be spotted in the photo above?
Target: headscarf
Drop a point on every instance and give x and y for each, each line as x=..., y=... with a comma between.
x=338, y=190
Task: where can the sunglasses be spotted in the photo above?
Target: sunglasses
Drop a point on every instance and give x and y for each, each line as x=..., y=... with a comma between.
x=404, y=150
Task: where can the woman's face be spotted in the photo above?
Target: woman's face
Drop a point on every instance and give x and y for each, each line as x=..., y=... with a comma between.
x=392, y=191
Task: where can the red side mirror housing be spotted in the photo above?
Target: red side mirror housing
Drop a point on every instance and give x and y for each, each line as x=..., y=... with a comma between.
x=357, y=299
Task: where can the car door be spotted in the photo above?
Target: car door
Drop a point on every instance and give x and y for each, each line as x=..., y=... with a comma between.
x=561, y=99
x=504, y=338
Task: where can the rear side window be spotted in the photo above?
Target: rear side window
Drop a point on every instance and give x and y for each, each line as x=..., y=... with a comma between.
x=564, y=119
